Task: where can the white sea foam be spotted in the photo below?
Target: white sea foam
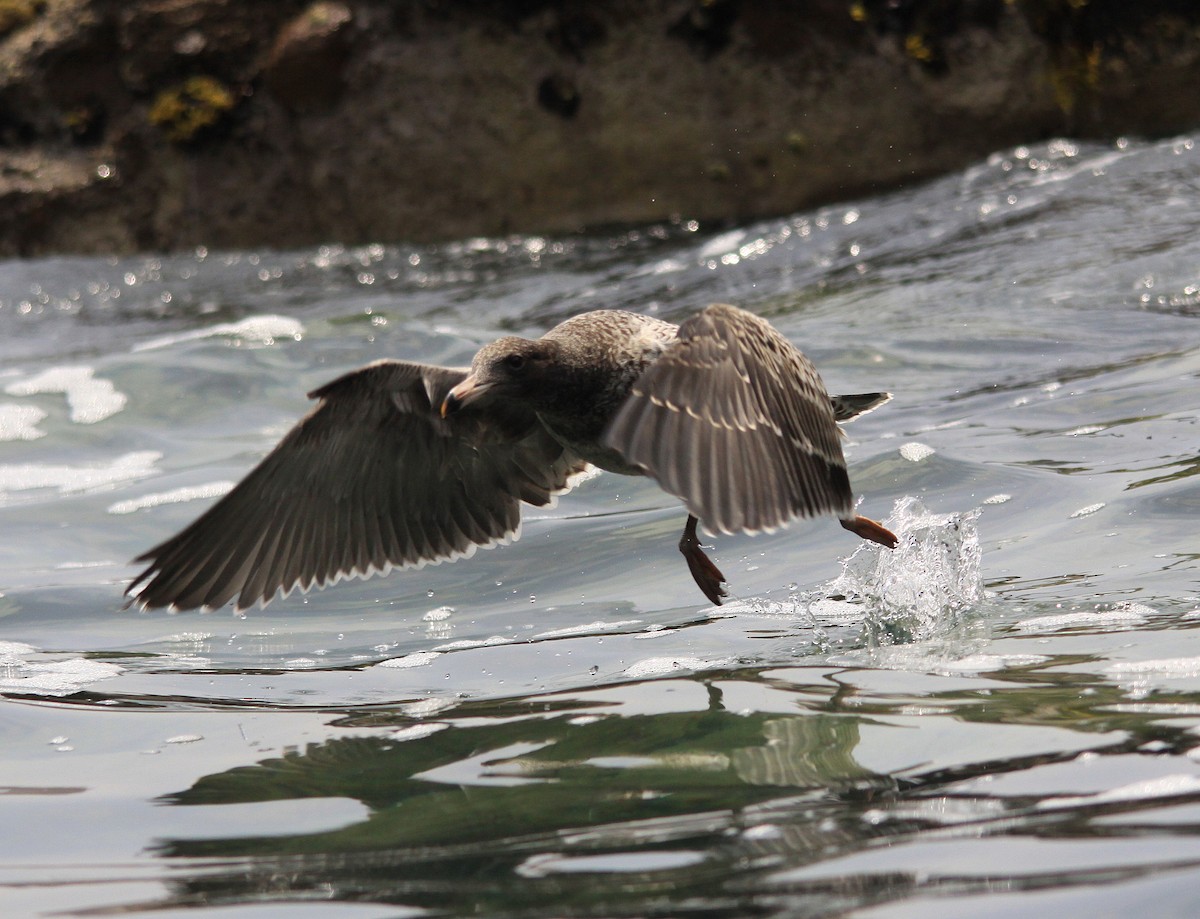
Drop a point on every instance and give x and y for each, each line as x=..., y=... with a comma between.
x=721, y=244
x=24, y=669
x=16, y=477
x=589, y=628
x=936, y=659
x=1169, y=667
x=175, y=496
x=261, y=331
x=20, y=422
x=408, y=661
x=465, y=643
x=1122, y=616
x=423, y=708
x=658, y=666
x=914, y=452
x=89, y=399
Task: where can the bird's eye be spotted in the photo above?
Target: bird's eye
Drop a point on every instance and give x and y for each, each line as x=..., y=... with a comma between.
x=514, y=361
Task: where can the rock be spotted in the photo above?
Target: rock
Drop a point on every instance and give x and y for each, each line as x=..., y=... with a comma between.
x=305, y=68
x=163, y=42
x=557, y=93
x=15, y=14
x=369, y=120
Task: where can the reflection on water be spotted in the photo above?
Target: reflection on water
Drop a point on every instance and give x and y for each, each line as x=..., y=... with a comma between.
x=780, y=803
x=998, y=718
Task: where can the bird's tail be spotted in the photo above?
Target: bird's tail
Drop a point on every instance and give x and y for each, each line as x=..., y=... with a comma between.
x=847, y=408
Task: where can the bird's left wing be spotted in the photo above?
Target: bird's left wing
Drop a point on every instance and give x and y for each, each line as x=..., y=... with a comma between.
x=373, y=477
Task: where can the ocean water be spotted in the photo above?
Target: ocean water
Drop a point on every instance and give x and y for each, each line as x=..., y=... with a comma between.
x=1000, y=718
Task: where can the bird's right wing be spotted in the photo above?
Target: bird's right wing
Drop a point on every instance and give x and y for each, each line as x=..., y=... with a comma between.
x=373, y=477
x=735, y=420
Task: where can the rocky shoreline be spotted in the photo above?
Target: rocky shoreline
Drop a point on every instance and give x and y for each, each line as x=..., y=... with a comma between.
x=165, y=124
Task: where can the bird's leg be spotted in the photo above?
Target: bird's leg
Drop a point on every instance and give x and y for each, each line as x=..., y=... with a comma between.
x=870, y=529
x=708, y=576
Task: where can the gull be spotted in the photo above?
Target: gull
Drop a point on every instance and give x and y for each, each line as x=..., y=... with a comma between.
x=401, y=464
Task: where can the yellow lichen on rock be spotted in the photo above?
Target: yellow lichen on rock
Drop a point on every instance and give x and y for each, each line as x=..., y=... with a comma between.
x=917, y=48
x=184, y=111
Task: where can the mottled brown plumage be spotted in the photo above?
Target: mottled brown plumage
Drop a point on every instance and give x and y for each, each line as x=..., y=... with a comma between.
x=401, y=464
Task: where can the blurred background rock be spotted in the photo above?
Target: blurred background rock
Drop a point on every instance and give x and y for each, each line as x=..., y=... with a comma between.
x=164, y=124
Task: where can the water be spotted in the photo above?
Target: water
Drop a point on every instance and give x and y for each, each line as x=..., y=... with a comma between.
x=1001, y=718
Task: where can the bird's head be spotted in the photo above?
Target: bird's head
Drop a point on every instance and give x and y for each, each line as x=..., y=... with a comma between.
x=509, y=368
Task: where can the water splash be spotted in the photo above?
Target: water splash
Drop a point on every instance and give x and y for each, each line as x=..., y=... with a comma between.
x=920, y=590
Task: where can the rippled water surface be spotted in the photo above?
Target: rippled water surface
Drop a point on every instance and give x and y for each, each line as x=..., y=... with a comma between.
x=1000, y=718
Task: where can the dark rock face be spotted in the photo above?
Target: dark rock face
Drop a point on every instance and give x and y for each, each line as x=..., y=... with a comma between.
x=305, y=68
x=163, y=124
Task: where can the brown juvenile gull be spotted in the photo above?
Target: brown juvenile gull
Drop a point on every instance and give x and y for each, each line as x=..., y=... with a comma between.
x=400, y=464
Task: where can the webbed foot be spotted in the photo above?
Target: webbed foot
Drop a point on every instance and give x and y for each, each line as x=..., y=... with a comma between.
x=708, y=576
x=870, y=529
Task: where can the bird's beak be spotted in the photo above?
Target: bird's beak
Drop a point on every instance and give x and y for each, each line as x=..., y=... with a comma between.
x=464, y=393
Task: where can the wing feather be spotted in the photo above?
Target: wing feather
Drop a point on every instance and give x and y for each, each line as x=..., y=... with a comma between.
x=735, y=420
x=373, y=477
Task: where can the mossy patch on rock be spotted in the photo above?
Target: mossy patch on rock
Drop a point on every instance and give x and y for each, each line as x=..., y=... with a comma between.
x=186, y=111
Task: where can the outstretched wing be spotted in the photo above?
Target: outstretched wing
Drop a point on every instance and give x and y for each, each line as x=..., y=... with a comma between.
x=371, y=478
x=735, y=420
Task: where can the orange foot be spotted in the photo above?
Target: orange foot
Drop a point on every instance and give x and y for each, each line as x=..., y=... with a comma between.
x=869, y=529
x=708, y=576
